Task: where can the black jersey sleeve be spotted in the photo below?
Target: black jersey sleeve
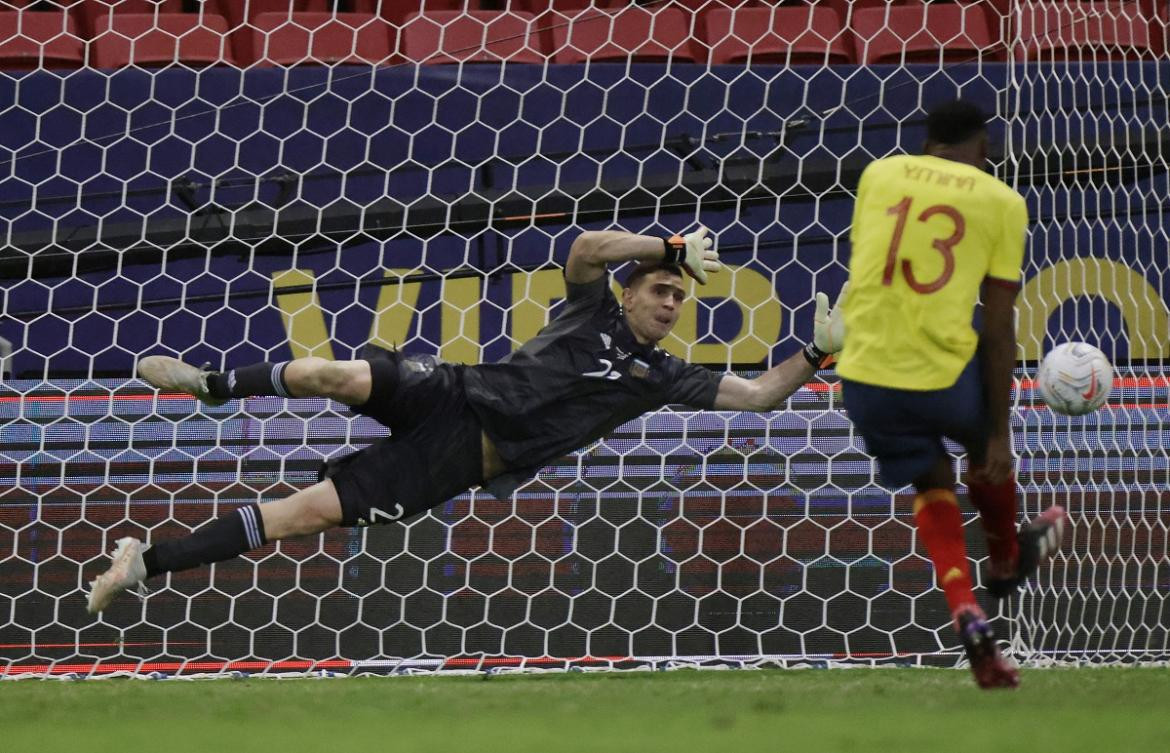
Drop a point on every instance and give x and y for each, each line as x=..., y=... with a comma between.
x=589, y=294
x=692, y=385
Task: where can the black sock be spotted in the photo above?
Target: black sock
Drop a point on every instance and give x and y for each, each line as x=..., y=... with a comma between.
x=246, y=381
x=221, y=539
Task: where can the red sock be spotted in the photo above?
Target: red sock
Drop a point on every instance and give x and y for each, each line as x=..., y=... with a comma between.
x=997, y=511
x=940, y=526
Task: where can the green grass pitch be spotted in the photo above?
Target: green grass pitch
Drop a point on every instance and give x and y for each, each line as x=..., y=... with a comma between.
x=896, y=710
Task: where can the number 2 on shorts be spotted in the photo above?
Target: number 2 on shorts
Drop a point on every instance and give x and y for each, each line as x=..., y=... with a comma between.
x=945, y=246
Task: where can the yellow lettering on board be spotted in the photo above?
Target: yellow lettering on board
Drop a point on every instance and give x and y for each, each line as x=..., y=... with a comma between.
x=1142, y=308
x=394, y=312
x=761, y=316
x=533, y=294
x=459, y=331
x=304, y=322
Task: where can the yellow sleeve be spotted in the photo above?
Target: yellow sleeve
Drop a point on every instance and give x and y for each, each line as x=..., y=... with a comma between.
x=1007, y=259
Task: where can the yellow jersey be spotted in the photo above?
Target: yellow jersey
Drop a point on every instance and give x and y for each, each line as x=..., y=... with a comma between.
x=926, y=232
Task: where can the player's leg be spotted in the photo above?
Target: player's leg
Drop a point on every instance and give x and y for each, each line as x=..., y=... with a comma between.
x=940, y=526
x=958, y=414
x=901, y=430
x=900, y=433
x=306, y=512
x=392, y=479
x=997, y=506
x=347, y=382
x=1013, y=555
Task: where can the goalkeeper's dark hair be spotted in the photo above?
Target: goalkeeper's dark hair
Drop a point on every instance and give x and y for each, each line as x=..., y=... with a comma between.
x=955, y=122
x=649, y=267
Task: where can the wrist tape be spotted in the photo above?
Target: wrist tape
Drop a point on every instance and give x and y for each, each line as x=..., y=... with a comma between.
x=674, y=249
x=816, y=357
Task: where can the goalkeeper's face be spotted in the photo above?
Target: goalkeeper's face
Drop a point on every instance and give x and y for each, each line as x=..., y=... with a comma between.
x=653, y=304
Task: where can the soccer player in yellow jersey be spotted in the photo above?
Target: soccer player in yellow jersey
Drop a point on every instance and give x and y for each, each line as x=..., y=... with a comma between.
x=930, y=232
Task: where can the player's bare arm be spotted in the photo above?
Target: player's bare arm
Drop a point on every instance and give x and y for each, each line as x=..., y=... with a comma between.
x=593, y=251
x=769, y=390
x=998, y=355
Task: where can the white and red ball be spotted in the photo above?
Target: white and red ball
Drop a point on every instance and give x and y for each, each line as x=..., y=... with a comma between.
x=1075, y=378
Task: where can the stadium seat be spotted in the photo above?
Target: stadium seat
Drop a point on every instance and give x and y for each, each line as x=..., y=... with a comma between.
x=793, y=34
x=240, y=13
x=31, y=40
x=1072, y=31
x=926, y=33
x=567, y=7
x=321, y=38
x=398, y=12
x=631, y=34
x=91, y=12
x=472, y=37
x=558, y=11
x=846, y=8
x=142, y=39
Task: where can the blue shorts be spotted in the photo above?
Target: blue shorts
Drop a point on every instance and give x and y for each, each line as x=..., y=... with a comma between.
x=904, y=429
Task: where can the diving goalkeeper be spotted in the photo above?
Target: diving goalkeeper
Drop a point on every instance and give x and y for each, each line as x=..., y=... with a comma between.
x=592, y=368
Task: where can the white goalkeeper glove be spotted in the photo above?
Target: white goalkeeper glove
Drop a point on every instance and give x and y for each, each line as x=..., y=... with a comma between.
x=828, y=330
x=695, y=252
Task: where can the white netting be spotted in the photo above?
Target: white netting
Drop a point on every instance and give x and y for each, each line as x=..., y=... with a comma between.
x=1090, y=158
x=235, y=182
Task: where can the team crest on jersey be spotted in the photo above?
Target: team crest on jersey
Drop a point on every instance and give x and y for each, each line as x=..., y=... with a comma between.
x=418, y=365
x=639, y=369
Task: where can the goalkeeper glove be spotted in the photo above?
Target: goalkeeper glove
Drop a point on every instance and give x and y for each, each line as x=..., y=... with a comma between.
x=828, y=330
x=694, y=252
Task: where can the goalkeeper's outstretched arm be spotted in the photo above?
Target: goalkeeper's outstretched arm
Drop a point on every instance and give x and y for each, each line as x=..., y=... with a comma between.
x=769, y=390
x=594, y=250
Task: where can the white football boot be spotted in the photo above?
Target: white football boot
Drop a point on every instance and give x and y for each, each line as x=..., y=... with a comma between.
x=171, y=374
x=126, y=571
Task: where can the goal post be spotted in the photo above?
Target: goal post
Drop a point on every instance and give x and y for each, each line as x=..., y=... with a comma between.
x=295, y=184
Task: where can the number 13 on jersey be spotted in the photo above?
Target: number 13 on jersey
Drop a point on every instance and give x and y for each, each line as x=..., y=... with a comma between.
x=945, y=246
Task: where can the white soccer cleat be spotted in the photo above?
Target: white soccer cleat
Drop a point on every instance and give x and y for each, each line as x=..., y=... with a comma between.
x=171, y=374
x=126, y=571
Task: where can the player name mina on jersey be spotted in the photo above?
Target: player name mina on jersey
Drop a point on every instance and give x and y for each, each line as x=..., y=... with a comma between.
x=923, y=174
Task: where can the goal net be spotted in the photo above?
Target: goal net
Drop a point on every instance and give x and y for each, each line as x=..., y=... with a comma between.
x=231, y=182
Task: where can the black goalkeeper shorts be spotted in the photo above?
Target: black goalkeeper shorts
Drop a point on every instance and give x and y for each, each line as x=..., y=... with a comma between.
x=434, y=450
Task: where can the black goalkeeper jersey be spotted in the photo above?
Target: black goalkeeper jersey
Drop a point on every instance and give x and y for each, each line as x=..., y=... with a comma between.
x=581, y=376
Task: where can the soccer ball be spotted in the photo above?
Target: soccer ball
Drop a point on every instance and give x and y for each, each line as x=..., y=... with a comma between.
x=1075, y=379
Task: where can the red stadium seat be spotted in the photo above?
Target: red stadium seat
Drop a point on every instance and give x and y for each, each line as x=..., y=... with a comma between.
x=1072, y=31
x=472, y=37
x=635, y=34
x=567, y=7
x=322, y=38
x=928, y=33
x=397, y=12
x=549, y=12
x=572, y=7
x=147, y=40
x=794, y=35
x=94, y=11
x=240, y=13
x=846, y=9
x=32, y=40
